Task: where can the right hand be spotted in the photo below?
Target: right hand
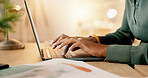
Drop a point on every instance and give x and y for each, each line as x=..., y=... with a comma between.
x=87, y=44
x=64, y=37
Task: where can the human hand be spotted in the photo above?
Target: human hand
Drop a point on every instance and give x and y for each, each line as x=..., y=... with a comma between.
x=64, y=37
x=74, y=43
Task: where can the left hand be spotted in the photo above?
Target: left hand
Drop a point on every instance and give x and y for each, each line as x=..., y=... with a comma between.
x=87, y=46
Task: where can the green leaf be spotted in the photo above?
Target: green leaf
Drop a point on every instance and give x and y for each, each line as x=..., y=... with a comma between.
x=11, y=30
x=6, y=25
x=8, y=16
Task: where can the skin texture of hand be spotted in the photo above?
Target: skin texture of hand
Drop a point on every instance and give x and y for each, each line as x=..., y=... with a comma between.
x=87, y=44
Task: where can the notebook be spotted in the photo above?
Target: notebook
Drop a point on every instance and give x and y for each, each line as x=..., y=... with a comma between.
x=49, y=53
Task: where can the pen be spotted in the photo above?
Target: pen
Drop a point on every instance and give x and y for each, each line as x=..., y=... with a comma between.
x=3, y=66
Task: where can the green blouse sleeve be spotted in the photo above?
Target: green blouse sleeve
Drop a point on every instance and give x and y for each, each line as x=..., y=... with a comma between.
x=121, y=36
x=128, y=54
x=125, y=52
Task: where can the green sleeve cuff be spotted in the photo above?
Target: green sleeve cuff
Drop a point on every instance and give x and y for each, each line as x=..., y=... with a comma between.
x=118, y=53
x=139, y=54
x=128, y=54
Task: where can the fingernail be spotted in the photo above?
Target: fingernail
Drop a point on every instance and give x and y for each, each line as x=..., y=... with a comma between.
x=70, y=49
x=54, y=44
x=59, y=46
x=52, y=47
x=51, y=42
x=63, y=54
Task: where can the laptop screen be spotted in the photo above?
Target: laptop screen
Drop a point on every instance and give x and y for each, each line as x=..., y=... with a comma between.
x=33, y=27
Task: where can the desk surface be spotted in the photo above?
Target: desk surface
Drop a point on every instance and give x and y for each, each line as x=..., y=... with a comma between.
x=31, y=55
x=142, y=69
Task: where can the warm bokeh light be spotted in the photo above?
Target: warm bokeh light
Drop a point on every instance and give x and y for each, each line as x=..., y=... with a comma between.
x=83, y=12
x=71, y=17
x=96, y=22
x=18, y=7
x=111, y=13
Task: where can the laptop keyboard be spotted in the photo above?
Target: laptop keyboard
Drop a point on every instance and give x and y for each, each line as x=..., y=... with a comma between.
x=49, y=53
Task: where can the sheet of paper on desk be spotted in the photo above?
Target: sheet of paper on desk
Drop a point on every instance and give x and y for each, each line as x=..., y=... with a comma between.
x=56, y=68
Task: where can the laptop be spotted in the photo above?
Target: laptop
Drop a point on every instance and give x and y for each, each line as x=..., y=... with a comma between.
x=49, y=53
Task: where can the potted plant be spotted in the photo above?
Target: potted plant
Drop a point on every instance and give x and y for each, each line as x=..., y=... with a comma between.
x=9, y=15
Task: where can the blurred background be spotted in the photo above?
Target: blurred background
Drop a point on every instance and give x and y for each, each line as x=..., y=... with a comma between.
x=72, y=17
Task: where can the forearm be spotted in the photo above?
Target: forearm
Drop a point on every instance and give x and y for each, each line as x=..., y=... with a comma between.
x=128, y=54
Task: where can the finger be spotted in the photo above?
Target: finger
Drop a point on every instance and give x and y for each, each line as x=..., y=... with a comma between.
x=54, y=41
x=61, y=43
x=66, y=50
x=67, y=42
x=75, y=45
x=57, y=44
x=58, y=38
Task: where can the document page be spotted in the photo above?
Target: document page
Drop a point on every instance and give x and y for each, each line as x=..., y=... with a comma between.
x=56, y=68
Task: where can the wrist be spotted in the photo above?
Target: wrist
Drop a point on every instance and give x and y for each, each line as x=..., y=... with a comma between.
x=103, y=54
x=93, y=39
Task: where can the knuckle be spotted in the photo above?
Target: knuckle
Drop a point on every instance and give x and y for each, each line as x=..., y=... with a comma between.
x=73, y=45
x=70, y=39
x=63, y=35
x=74, y=39
x=64, y=43
x=79, y=42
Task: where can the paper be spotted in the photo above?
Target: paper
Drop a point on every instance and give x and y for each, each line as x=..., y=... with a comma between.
x=57, y=68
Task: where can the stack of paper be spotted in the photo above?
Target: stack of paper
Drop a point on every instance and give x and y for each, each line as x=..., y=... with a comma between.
x=56, y=68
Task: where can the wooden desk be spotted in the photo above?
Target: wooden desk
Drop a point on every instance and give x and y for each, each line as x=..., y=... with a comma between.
x=23, y=56
x=119, y=69
x=31, y=55
x=142, y=69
